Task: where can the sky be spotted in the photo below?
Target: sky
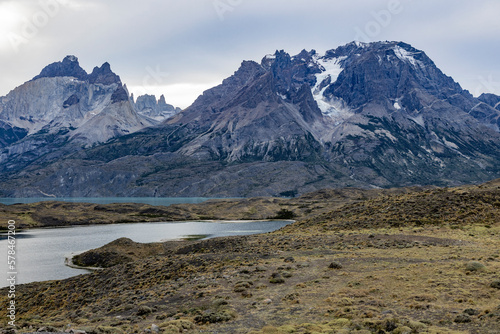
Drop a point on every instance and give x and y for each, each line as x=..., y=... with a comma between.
x=181, y=48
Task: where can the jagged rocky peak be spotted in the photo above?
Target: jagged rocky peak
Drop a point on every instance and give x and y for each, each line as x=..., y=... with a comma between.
x=68, y=67
x=119, y=95
x=149, y=101
x=356, y=73
x=65, y=98
x=145, y=101
x=306, y=56
x=380, y=56
x=290, y=74
x=283, y=59
x=104, y=75
x=162, y=102
x=248, y=71
x=158, y=110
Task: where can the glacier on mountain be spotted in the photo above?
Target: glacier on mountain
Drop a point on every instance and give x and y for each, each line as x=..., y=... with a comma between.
x=330, y=106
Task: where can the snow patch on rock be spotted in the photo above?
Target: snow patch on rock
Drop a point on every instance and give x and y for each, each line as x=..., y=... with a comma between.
x=406, y=56
x=449, y=144
x=330, y=106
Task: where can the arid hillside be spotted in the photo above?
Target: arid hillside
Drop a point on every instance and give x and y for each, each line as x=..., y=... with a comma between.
x=399, y=261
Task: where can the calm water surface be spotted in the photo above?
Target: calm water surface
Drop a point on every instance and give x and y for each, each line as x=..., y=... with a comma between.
x=40, y=253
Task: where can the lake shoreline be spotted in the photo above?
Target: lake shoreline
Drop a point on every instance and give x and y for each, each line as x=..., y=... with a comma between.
x=48, y=253
x=63, y=214
x=68, y=261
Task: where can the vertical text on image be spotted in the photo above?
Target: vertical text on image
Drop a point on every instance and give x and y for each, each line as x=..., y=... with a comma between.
x=11, y=272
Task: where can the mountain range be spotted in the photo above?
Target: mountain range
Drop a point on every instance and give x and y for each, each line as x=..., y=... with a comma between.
x=362, y=115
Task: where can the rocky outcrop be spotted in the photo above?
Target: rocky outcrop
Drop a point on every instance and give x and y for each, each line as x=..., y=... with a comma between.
x=490, y=99
x=120, y=251
x=159, y=110
x=10, y=134
x=69, y=67
x=103, y=75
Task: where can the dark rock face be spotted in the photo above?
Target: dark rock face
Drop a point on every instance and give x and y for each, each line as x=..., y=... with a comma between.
x=69, y=67
x=248, y=118
x=10, y=134
x=380, y=71
x=146, y=101
x=291, y=73
x=71, y=101
x=490, y=99
x=104, y=75
x=119, y=95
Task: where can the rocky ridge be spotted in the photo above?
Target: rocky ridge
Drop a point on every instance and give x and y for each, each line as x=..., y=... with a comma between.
x=64, y=109
x=159, y=110
x=365, y=114
x=64, y=96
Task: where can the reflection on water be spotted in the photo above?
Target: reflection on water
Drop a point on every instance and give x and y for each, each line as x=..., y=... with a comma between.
x=194, y=237
x=18, y=236
x=41, y=252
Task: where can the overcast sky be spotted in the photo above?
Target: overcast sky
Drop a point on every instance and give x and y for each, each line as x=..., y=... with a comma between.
x=180, y=48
